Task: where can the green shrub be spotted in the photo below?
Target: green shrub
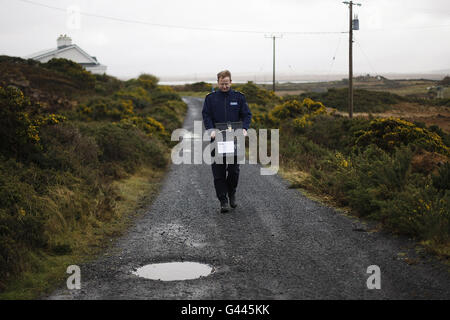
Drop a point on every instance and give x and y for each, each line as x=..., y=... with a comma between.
x=130, y=147
x=107, y=85
x=198, y=87
x=160, y=97
x=300, y=151
x=106, y=108
x=335, y=132
x=441, y=181
x=140, y=97
x=148, y=125
x=389, y=133
x=419, y=211
x=148, y=81
x=255, y=94
x=66, y=149
x=75, y=71
x=21, y=223
x=20, y=124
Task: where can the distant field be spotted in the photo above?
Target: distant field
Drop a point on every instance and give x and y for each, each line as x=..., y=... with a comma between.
x=400, y=87
x=430, y=115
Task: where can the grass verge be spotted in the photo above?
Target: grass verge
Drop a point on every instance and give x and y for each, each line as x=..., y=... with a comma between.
x=135, y=195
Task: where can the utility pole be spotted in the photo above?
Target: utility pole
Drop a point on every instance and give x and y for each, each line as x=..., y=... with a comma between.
x=350, y=58
x=273, y=37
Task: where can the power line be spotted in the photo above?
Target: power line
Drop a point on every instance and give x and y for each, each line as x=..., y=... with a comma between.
x=334, y=58
x=368, y=61
x=391, y=28
x=179, y=26
x=394, y=28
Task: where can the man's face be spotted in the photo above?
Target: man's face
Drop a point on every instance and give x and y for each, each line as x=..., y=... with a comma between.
x=224, y=84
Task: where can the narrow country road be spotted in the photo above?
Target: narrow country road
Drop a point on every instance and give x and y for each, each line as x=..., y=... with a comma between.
x=277, y=244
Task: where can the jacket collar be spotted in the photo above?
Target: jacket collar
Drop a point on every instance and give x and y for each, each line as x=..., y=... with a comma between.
x=226, y=93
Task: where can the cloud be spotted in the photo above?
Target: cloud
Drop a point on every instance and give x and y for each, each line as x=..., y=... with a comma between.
x=395, y=35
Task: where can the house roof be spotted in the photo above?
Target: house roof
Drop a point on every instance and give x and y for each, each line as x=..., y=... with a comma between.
x=43, y=54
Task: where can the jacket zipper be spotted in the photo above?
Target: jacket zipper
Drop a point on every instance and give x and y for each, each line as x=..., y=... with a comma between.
x=226, y=118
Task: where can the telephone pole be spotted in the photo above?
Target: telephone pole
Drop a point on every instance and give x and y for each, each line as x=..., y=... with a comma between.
x=350, y=58
x=273, y=36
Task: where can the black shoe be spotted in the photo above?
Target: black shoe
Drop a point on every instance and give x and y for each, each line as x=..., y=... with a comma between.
x=233, y=203
x=224, y=207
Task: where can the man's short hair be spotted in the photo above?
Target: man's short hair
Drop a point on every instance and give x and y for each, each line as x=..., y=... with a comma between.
x=223, y=74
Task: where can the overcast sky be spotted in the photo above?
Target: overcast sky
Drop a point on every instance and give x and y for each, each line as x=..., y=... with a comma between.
x=400, y=36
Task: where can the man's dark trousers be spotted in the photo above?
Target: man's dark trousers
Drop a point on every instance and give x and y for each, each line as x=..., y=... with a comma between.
x=225, y=184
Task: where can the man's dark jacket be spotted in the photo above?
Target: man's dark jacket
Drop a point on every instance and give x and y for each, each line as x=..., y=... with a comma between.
x=229, y=106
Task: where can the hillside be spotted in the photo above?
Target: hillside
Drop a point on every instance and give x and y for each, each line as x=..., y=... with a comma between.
x=72, y=142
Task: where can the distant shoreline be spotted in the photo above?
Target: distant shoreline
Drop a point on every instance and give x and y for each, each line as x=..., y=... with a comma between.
x=299, y=79
x=181, y=82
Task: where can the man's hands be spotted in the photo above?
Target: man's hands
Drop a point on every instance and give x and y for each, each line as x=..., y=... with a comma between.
x=213, y=133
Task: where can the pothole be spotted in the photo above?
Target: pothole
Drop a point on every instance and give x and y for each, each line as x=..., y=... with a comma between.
x=172, y=271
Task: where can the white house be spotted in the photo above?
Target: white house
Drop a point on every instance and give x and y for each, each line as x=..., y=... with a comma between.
x=65, y=49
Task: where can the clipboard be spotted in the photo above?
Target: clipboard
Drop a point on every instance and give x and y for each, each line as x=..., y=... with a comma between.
x=224, y=147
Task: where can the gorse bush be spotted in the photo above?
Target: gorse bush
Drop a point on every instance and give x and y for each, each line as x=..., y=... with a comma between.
x=18, y=129
x=21, y=222
x=381, y=186
x=138, y=95
x=255, y=94
x=84, y=79
x=20, y=123
x=106, y=85
x=66, y=149
x=300, y=113
x=106, y=108
x=198, y=87
x=441, y=181
x=162, y=96
x=127, y=146
x=290, y=109
x=389, y=133
x=149, y=125
x=147, y=81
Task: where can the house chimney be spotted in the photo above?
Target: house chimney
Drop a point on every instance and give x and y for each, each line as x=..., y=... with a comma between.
x=63, y=41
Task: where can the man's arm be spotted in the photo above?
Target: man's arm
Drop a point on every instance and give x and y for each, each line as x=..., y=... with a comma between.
x=245, y=114
x=207, y=115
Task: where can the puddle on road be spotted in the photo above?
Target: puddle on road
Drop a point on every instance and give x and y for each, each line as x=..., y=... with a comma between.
x=172, y=271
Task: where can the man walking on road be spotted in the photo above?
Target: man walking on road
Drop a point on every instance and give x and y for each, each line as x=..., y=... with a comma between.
x=225, y=106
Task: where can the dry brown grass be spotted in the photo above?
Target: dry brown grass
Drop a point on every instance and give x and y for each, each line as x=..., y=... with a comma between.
x=429, y=115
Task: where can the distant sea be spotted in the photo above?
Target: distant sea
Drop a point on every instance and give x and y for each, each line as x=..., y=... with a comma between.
x=175, y=83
